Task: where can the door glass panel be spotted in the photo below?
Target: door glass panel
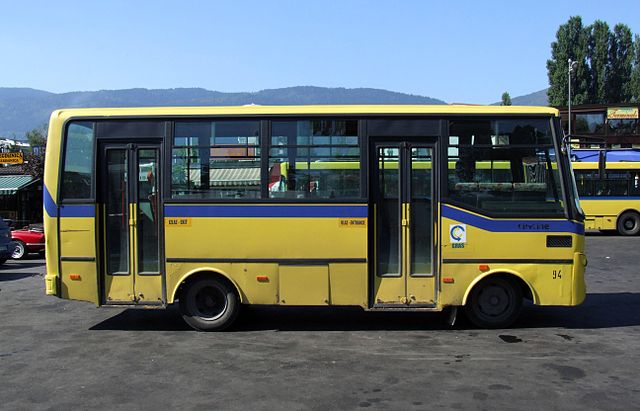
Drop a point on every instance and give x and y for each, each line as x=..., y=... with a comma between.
x=388, y=219
x=421, y=211
x=116, y=205
x=147, y=224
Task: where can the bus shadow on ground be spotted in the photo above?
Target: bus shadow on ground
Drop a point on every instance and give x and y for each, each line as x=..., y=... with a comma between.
x=4, y=276
x=601, y=310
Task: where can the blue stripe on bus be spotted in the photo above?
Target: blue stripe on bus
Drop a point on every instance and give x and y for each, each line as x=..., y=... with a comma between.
x=66, y=210
x=265, y=211
x=516, y=226
x=49, y=205
x=78, y=210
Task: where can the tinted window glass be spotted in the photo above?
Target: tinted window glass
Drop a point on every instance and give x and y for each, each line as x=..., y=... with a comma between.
x=622, y=126
x=614, y=183
x=504, y=167
x=589, y=123
x=77, y=175
x=314, y=159
x=219, y=159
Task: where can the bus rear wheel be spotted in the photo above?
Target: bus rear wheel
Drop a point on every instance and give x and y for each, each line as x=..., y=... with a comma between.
x=209, y=304
x=628, y=223
x=494, y=302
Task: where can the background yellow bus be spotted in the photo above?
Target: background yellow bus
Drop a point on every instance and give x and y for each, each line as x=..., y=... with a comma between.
x=609, y=187
x=384, y=207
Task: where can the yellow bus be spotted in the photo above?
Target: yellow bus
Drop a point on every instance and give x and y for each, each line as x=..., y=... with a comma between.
x=609, y=187
x=397, y=208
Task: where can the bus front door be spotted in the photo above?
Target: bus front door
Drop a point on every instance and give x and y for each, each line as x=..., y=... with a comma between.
x=403, y=231
x=130, y=224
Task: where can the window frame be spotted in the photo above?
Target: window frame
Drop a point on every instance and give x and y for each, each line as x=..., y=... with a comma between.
x=63, y=158
x=445, y=195
x=362, y=147
x=265, y=128
x=168, y=160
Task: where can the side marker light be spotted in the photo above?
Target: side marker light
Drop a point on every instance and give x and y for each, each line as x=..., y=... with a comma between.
x=75, y=277
x=448, y=280
x=483, y=267
x=262, y=279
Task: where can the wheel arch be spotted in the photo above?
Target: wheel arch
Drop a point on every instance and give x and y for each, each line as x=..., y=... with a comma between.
x=511, y=275
x=627, y=210
x=204, y=272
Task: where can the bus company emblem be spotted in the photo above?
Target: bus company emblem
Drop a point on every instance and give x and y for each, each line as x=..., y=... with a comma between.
x=458, y=235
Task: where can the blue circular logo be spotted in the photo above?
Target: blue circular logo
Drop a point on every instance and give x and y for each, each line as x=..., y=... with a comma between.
x=457, y=231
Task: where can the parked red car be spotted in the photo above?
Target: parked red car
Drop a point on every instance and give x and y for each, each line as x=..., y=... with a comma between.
x=28, y=240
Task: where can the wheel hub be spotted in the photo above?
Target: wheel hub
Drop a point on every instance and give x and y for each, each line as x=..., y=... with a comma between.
x=493, y=301
x=210, y=303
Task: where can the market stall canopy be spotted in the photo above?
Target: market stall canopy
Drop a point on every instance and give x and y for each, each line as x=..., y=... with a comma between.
x=10, y=185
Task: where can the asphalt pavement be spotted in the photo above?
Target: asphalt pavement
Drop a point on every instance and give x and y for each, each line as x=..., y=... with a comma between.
x=57, y=354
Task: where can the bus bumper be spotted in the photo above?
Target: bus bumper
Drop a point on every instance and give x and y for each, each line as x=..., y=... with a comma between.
x=51, y=284
x=579, y=285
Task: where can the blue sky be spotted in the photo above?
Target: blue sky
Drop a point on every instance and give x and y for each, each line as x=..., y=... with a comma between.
x=465, y=51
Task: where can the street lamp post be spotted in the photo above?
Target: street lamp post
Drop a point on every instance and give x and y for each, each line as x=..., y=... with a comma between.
x=572, y=66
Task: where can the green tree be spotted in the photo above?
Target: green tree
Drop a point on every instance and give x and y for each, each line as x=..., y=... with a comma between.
x=506, y=99
x=37, y=137
x=620, y=65
x=599, y=38
x=571, y=43
x=635, y=74
x=34, y=162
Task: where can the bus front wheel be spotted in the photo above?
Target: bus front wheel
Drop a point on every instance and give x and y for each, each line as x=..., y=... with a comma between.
x=494, y=302
x=209, y=304
x=629, y=223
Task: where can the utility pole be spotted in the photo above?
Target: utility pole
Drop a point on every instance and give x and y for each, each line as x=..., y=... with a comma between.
x=572, y=66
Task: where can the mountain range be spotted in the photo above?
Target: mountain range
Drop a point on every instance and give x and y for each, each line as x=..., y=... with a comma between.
x=23, y=109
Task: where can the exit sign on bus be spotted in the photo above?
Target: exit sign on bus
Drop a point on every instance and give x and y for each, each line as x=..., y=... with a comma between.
x=11, y=158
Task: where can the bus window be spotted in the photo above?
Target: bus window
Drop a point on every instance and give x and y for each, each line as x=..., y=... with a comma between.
x=314, y=158
x=504, y=167
x=77, y=175
x=216, y=159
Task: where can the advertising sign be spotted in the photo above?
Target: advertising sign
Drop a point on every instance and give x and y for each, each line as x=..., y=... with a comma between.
x=11, y=158
x=622, y=113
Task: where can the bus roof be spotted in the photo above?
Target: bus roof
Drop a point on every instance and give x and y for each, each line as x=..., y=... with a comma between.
x=254, y=110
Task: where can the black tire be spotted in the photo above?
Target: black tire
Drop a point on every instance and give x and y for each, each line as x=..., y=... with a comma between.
x=628, y=223
x=494, y=302
x=20, y=251
x=209, y=304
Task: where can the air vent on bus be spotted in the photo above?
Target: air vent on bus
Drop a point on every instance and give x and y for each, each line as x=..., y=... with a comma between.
x=559, y=241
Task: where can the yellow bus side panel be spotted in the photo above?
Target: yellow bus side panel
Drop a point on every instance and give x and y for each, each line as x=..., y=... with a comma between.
x=77, y=239
x=602, y=214
x=243, y=276
x=86, y=287
x=255, y=238
x=551, y=282
x=348, y=284
x=545, y=289
x=260, y=283
x=282, y=240
x=304, y=285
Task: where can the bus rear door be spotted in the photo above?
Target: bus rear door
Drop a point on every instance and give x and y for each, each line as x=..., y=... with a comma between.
x=130, y=223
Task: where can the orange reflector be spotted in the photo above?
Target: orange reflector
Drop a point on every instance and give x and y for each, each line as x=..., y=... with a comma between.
x=448, y=280
x=75, y=277
x=483, y=267
x=262, y=279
